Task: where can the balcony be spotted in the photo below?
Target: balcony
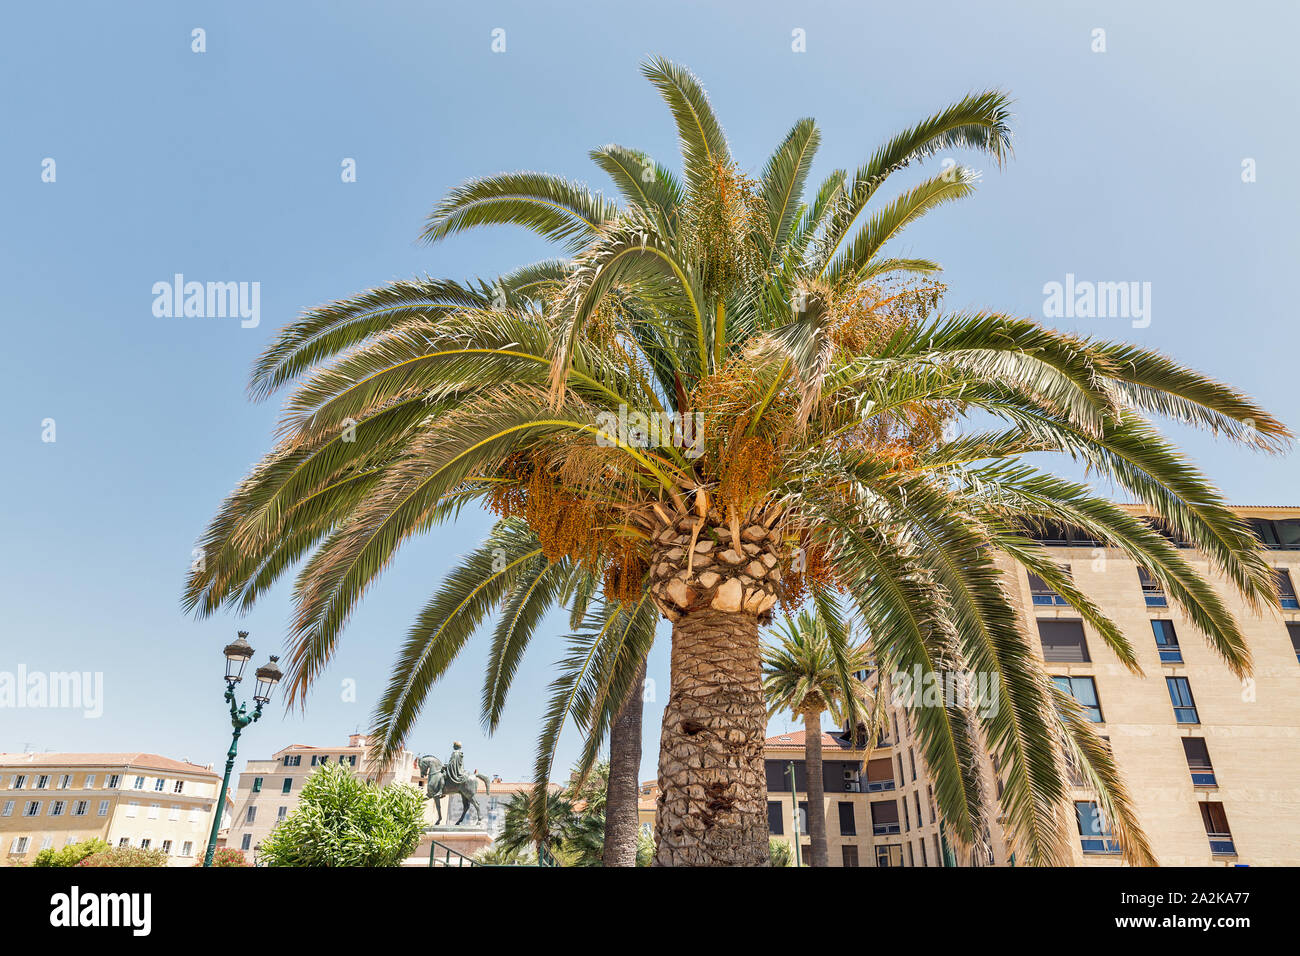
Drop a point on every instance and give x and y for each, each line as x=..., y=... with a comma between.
x=878, y=786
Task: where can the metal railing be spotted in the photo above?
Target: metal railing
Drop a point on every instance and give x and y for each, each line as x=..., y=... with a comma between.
x=447, y=854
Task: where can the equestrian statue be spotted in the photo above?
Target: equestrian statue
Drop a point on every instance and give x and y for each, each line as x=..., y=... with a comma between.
x=451, y=778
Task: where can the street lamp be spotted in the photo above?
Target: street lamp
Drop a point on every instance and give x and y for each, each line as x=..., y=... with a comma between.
x=238, y=653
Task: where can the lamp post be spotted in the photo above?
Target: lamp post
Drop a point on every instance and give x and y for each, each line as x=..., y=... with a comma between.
x=238, y=654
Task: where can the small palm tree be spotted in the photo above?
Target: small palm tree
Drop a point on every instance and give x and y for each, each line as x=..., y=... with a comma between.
x=802, y=674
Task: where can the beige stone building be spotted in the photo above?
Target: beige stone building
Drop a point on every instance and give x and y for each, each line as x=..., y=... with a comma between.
x=1213, y=762
x=127, y=799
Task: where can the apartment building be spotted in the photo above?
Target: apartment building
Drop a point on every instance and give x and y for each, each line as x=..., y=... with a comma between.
x=49, y=800
x=879, y=807
x=1212, y=762
x=267, y=791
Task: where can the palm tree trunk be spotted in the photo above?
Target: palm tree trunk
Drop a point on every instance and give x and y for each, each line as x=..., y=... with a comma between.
x=621, y=824
x=812, y=762
x=712, y=808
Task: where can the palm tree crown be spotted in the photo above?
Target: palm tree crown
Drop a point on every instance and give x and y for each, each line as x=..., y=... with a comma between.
x=801, y=670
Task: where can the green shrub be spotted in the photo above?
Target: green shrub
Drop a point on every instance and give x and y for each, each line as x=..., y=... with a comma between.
x=343, y=821
x=227, y=856
x=70, y=855
x=126, y=856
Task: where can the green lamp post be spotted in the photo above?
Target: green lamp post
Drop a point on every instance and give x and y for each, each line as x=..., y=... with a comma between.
x=238, y=654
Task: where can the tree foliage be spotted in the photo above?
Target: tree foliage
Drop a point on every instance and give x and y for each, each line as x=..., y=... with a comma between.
x=341, y=820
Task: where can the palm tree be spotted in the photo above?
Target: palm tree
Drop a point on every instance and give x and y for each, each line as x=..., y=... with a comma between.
x=814, y=399
x=801, y=675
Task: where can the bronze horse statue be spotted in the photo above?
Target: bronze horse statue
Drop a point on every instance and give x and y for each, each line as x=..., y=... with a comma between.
x=432, y=770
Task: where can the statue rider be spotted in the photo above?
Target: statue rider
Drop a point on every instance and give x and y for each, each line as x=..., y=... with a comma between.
x=453, y=774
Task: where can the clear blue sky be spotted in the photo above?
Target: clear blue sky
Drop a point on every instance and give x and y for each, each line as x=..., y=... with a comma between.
x=226, y=166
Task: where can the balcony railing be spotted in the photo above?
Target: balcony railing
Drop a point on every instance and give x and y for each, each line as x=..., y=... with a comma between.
x=876, y=786
x=1101, y=844
x=1221, y=844
x=884, y=829
x=1204, y=778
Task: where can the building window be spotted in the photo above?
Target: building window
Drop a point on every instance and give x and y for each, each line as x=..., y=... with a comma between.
x=1180, y=694
x=33, y=808
x=187, y=848
x=1198, y=762
x=175, y=812
x=293, y=760
x=1063, y=642
x=1084, y=691
x=8, y=810
x=65, y=781
x=775, y=825
x=132, y=808
x=247, y=841
x=90, y=782
x=802, y=825
x=251, y=815
x=1041, y=593
x=1167, y=642
x=19, y=845
x=884, y=817
x=139, y=783
x=1277, y=535
x=154, y=810
x=925, y=861
x=43, y=781
x=144, y=843
x=103, y=808
x=1153, y=592
x=848, y=856
x=167, y=847
x=281, y=814
x=880, y=775
x=1094, y=834
x=178, y=787
x=80, y=807
x=56, y=808
x=1216, y=828
x=125, y=841
x=113, y=781
x=889, y=854
x=1286, y=591
x=848, y=827
x=159, y=785
x=288, y=785
x=257, y=784
x=20, y=781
